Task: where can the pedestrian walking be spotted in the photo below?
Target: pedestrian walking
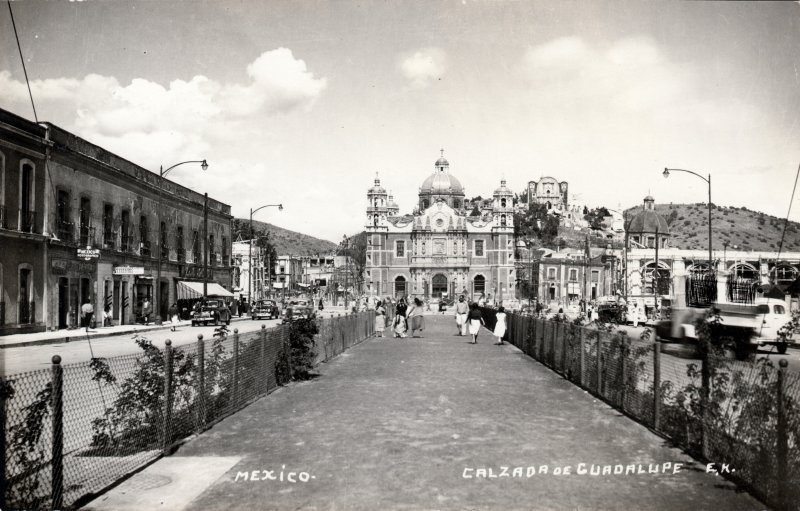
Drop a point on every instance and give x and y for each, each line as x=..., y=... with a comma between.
x=416, y=317
x=173, y=315
x=147, y=309
x=87, y=311
x=321, y=305
x=475, y=322
x=500, y=325
x=380, y=319
x=462, y=308
x=399, y=323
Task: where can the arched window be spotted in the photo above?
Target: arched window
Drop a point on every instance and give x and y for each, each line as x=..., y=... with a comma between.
x=439, y=285
x=502, y=220
x=399, y=287
x=425, y=204
x=502, y=203
x=26, y=311
x=375, y=220
x=783, y=274
x=479, y=285
x=27, y=215
x=744, y=270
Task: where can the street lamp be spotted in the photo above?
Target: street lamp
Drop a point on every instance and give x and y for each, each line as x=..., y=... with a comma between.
x=250, y=251
x=163, y=172
x=666, y=175
x=345, y=242
x=624, y=249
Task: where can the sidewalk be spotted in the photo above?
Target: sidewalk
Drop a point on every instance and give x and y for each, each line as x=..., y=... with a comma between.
x=60, y=336
x=427, y=424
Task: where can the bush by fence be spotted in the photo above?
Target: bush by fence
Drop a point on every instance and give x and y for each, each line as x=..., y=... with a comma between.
x=743, y=414
x=71, y=431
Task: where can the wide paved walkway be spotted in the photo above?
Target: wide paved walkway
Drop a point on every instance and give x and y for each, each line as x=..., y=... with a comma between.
x=417, y=424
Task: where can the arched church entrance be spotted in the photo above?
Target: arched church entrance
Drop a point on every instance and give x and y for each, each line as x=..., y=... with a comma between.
x=438, y=285
x=399, y=287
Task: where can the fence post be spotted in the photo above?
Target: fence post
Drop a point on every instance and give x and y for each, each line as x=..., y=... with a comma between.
x=599, y=364
x=553, y=336
x=57, y=489
x=261, y=354
x=582, y=357
x=783, y=438
x=235, y=367
x=3, y=390
x=623, y=358
x=201, y=383
x=657, y=385
x=287, y=348
x=166, y=438
x=564, y=348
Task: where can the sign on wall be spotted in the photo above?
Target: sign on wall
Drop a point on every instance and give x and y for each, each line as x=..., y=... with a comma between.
x=87, y=254
x=128, y=270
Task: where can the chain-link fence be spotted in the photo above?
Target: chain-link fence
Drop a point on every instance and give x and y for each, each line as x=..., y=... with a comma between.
x=749, y=427
x=71, y=431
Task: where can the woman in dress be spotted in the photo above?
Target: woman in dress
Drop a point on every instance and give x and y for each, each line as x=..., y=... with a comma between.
x=380, y=319
x=475, y=322
x=416, y=318
x=399, y=323
x=500, y=326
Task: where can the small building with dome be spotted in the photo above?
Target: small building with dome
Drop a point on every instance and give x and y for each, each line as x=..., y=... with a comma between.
x=438, y=250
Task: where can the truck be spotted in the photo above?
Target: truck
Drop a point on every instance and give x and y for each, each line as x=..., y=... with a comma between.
x=765, y=322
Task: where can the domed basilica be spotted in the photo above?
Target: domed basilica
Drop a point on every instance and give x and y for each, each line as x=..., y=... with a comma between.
x=440, y=250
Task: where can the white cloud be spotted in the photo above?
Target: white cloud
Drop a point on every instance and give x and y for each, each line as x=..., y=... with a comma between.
x=423, y=67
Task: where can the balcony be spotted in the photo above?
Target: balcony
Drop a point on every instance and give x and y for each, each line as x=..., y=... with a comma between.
x=86, y=236
x=164, y=252
x=125, y=243
x=27, y=221
x=65, y=232
x=181, y=255
x=27, y=312
x=109, y=240
x=144, y=249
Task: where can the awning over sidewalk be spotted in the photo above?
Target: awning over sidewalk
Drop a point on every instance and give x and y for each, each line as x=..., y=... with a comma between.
x=190, y=290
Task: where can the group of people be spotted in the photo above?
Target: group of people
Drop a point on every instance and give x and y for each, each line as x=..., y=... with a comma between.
x=410, y=318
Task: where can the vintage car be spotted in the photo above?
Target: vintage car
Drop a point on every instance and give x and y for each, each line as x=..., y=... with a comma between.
x=265, y=309
x=296, y=311
x=212, y=311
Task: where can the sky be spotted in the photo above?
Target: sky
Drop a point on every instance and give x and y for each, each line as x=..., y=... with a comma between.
x=303, y=102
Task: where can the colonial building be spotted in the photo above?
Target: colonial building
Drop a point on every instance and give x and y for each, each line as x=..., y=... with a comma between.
x=439, y=249
x=550, y=192
x=97, y=228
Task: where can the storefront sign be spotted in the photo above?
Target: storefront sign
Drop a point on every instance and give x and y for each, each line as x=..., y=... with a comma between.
x=88, y=254
x=128, y=270
x=194, y=272
x=64, y=267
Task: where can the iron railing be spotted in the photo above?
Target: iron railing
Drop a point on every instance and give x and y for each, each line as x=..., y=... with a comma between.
x=144, y=249
x=701, y=289
x=749, y=419
x=86, y=235
x=109, y=239
x=27, y=221
x=181, y=255
x=73, y=430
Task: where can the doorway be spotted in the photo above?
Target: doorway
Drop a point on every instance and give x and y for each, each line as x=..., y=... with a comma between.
x=63, y=302
x=439, y=286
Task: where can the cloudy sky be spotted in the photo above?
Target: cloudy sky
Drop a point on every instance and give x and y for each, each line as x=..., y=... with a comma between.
x=303, y=102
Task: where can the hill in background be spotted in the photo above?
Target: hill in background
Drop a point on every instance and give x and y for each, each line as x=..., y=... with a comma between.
x=740, y=227
x=288, y=242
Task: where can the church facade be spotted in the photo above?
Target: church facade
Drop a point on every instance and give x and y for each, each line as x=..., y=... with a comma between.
x=440, y=250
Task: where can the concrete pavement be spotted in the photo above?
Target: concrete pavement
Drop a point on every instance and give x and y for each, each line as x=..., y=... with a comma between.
x=426, y=424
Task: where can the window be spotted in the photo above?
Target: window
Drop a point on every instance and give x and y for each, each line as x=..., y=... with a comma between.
x=125, y=227
x=778, y=309
x=108, y=226
x=573, y=274
x=86, y=229
x=144, y=243
x=479, y=284
x=27, y=215
x=551, y=273
x=212, y=249
x=502, y=203
x=225, y=252
x=400, y=248
x=503, y=220
x=596, y=276
x=196, y=248
x=425, y=204
x=478, y=248
x=63, y=225
x=179, y=246
x=162, y=230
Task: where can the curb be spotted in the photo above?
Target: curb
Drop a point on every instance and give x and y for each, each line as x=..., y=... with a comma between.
x=66, y=339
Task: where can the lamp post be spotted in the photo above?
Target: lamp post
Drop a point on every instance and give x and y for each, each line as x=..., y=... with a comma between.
x=250, y=251
x=163, y=172
x=666, y=175
x=345, y=242
x=624, y=249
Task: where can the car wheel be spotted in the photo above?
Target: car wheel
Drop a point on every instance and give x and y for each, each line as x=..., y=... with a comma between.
x=194, y=323
x=228, y=322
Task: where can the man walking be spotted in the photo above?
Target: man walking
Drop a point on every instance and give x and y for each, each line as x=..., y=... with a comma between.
x=87, y=311
x=461, y=316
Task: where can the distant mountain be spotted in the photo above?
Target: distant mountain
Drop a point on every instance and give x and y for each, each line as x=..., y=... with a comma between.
x=740, y=227
x=288, y=242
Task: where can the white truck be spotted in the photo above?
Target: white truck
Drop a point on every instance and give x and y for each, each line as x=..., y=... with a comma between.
x=748, y=326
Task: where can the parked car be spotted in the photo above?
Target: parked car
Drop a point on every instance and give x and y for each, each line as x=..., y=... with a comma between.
x=213, y=311
x=296, y=311
x=265, y=309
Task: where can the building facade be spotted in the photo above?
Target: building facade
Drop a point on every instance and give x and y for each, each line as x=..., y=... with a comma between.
x=550, y=192
x=105, y=228
x=439, y=250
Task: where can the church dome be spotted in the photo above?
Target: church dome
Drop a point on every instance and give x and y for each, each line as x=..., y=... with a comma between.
x=647, y=220
x=503, y=190
x=377, y=188
x=442, y=183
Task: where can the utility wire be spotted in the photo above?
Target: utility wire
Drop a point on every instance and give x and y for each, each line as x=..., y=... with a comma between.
x=24, y=70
